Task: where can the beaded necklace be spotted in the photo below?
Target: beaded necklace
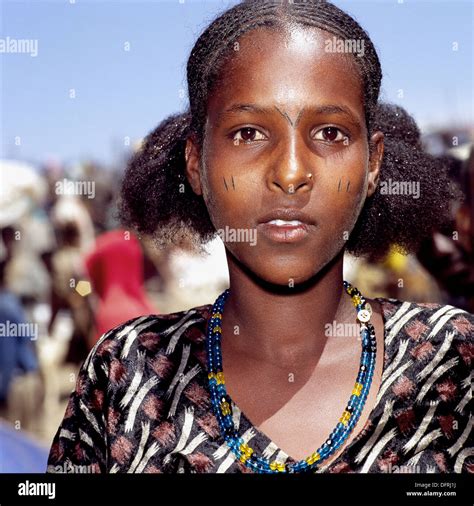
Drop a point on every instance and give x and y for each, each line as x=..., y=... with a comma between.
x=221, y=402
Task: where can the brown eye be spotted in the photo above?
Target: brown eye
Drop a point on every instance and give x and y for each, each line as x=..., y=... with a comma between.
x=330, y=134
x=247, y=134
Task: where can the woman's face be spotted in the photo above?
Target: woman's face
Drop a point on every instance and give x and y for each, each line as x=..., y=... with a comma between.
x=285, y=131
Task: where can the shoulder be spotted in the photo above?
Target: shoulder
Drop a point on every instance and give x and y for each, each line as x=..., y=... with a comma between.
x=426, y=383
x=155, y=347
x=429, y=328
x=152, y=334
x=431, y=345
x=426, y=320
x=151, y=378
x=130, y=387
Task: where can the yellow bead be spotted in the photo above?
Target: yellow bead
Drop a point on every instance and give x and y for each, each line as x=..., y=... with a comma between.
x=277, y=466
x=216, y=329
x=345, y=417
x=220, y=378
x=357, y=389
x=225, y=408
x=245, y=448
x=216, y=315
x=356, y=300
x=313, y=458
x=211, y=375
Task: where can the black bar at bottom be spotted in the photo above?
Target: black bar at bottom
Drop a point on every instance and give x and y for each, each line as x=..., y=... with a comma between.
x=237, y=489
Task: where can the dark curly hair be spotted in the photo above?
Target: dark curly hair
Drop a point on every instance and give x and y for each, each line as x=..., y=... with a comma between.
x=157, y=200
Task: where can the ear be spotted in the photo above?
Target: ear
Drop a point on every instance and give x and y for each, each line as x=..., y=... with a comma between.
x=375, y=161
x=192, y=156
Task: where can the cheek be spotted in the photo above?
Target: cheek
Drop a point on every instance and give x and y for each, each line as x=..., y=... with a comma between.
x=342, y=181
x=345, y=192
x=339, y=199
x=225, y=193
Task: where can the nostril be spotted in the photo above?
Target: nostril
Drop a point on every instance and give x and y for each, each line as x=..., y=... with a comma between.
x=290, y=181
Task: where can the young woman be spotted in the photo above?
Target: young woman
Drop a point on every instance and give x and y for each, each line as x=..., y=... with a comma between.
x=285, y=137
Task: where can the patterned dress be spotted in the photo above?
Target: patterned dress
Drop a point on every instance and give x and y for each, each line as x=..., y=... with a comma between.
x=142, y=405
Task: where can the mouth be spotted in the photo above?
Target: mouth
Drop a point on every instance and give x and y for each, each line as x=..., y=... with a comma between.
x=285, y=225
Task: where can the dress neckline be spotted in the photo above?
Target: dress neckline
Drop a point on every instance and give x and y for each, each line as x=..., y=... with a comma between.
x=266, y=441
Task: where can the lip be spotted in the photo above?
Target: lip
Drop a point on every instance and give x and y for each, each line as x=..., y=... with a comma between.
x=288, y=214
x=286, y=233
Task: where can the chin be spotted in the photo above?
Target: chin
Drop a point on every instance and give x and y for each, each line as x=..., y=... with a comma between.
x=283, y=270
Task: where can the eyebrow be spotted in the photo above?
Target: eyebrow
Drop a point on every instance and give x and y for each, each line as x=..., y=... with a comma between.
x=318, y=110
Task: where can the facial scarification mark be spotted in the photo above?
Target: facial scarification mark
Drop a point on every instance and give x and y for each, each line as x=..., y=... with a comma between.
x=347, y=186
x=233, y=185
x=285, y=115
x=225, y=184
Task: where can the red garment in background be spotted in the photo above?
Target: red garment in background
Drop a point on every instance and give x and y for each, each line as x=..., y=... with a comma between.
x=116, y=270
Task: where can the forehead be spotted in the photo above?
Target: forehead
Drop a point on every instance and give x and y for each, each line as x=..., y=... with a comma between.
x=290, y=67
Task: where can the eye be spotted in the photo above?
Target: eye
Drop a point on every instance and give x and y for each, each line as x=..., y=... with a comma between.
x=247, y=134
x=331, y=134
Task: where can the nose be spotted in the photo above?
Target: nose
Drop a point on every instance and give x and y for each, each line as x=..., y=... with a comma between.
x=290, y=171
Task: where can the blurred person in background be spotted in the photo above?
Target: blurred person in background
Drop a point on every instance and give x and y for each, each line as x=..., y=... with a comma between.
x=19, y=366
x=23, y=192
x=67, y=269
x=17, y=348
x=449, y=253
x=74, y=233
x=72, y=209
x=26, y=235
x=116, y=269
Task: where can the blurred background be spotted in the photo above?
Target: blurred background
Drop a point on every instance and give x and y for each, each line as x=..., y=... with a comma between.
x=81, y=84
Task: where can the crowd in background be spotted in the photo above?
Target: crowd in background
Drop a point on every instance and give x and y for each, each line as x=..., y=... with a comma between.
x=69, y=272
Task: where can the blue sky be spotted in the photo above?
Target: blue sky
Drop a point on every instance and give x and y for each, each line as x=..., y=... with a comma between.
x=124, y=94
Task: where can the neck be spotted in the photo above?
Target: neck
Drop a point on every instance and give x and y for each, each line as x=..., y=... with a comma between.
x=283, y=325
